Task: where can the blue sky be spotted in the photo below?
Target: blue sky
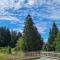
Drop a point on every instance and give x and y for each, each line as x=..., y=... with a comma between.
x=43, y=12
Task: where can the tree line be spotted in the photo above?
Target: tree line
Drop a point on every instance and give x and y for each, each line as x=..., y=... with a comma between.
x=8, y=38
x=53, y=43
x=30, y=39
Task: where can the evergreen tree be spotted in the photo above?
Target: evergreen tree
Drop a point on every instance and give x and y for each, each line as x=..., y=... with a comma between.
x=32, y=38
x=5, y=37
x=19, y=35
x=20, y=46
x=2, y=33
x=14, y=38
x=45, y=47
x=52, y=35
x=8, y=38
x=57, y=46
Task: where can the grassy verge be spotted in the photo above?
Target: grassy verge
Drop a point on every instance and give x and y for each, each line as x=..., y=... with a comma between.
x=4, y=55
x=19, y=55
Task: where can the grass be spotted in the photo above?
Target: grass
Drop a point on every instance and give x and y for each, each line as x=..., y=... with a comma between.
x=19, y=55
x=4, y=55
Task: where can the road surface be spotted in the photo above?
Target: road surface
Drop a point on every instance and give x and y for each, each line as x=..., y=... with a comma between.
x=45, y=58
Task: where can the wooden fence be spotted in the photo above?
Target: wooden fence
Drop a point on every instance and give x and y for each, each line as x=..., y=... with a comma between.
x=41, y=53
x=35, y=55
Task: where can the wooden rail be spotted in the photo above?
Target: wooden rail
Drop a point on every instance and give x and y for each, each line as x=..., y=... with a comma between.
x=35, y=55
x=51, y=54
x=39, y=54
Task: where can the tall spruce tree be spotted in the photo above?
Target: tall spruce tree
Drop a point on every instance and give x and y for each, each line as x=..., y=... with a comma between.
x=5, y=37
x=8, y=37
x=32, y=38
x=52, y=35
x=57, y=45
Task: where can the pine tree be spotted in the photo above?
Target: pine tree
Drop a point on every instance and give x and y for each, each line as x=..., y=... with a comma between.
x=5, y=37
x=32, y=38
x=52, y=35
x=57, y=45
x=8, y=37
x=19, y=35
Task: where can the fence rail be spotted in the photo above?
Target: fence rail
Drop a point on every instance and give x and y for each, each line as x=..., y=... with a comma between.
x=41, y=53
x=35, y=55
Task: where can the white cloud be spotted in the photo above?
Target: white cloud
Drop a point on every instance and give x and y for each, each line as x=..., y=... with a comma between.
x=51, y=8
x=31, y=2
x=6, y=4
x=9, y=3
x=42, y=27
x=18, y=30
x=10, y=18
